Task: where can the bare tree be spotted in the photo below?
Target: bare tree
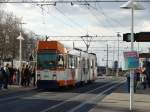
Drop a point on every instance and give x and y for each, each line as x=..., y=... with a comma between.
x=9, y=31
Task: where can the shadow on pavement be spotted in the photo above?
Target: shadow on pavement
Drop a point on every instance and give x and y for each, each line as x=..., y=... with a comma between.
x=124, y=89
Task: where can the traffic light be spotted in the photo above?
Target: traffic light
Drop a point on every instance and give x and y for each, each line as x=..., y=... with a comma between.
x=127, y=37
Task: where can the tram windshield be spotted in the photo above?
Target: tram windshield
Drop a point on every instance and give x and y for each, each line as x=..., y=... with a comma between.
x=49, y=60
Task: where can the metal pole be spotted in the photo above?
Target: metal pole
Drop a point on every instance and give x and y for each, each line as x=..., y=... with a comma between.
x=107, y=62
x=117, y=74
x=138, y=47
x=20, y=59
x=132, y=71
x=20, y=38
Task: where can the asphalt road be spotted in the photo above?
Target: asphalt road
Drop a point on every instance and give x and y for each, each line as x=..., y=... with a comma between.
x=80, y=99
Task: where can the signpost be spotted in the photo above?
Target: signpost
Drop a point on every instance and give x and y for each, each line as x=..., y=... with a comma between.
x=132, y=5
x=131, y=60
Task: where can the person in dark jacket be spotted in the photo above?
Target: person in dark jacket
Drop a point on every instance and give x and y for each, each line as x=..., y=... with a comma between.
x=27, y=75
x=23, y=75
x=147, y=72
x=33, y=75
x=6, y=76
x=1, y=77
x=128, y=81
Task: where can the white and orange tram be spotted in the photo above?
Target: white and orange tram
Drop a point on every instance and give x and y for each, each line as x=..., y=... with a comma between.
x=56, y=67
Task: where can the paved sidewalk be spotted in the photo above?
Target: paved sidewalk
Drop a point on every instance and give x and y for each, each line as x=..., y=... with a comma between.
x=118, y=101
x=14, y=88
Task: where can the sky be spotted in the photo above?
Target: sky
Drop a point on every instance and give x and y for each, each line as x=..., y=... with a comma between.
x=101, y=19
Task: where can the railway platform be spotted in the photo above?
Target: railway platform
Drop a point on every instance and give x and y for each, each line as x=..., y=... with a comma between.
x=118, y=101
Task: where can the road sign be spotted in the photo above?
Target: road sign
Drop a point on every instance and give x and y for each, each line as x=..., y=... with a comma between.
x=131, y=60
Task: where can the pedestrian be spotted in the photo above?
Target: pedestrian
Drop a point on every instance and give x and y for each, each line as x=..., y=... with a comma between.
x=137, y=78
x=11, y=71
x=147, y=72
x=27, y=75
x=6, y=76
x=14, y=76
x=143, y=81
x=128, y=81
x=23, y=75
x=33, y=75
x=17, y=76
x=1, y=77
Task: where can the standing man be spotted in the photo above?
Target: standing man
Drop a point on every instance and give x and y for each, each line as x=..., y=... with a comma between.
x=27, y=76
x=23, y=75
x=128, y=80
x=147, y=72
x=6, y=76
x=1, y=77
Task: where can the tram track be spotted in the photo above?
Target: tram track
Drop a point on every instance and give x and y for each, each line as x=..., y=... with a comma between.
x=87, y=105
x=76, y=100
x=49, y=101
x=22, y=93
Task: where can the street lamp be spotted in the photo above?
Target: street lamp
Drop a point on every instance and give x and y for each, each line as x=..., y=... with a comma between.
x=131, y=4
x=20, y=38
x=118, y=35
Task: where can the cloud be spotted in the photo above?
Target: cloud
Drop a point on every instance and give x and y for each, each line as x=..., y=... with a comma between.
x=100, y=19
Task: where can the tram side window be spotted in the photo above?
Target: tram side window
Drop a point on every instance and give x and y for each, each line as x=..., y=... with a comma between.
x=91, y=63
x=75, y=62
x=71, y=62
x=83, y=63
x=78, y=62
x=65, y=61
x=95, y=62
x=88, y=63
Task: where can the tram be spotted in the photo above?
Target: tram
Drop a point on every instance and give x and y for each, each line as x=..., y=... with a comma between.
x=58, y=67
